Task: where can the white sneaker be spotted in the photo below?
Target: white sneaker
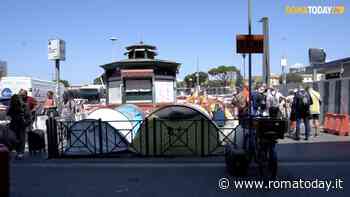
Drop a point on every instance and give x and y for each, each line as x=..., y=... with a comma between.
x=19, y=156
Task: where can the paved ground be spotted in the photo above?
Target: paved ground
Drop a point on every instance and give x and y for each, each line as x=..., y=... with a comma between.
x=323, y=137
x=108, y=178
x=326, y=157
x=36, y=177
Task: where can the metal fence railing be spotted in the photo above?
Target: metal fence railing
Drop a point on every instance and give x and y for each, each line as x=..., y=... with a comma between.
x=148, y=137
x=213, y=91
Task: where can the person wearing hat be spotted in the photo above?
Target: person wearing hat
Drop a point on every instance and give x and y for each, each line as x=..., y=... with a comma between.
x=315, y=109
x=302, y=102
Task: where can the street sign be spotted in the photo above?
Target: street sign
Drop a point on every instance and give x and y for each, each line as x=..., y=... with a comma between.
x=317, y=56
x=56, y=50
x=283, y=62
x=250, y=43
x=6, y=92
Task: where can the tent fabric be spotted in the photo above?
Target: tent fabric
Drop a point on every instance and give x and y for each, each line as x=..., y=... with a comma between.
x=134, y=114
x=84, y=139
x=178, y=130
x=116, y=119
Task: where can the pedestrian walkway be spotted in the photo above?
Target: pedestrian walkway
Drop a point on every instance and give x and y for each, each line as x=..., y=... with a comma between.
x=322, y=137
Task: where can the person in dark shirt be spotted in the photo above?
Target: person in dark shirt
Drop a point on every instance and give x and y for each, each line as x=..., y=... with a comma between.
x=20, y=116
x=29, y=101
x=301, y=105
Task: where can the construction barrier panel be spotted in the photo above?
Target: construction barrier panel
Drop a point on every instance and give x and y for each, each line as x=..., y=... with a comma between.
x=4, y=171
x=328, y=123
x=342, y=127
x=337, y=124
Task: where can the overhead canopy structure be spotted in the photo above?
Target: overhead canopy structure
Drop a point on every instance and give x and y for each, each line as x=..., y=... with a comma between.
x=177, y=130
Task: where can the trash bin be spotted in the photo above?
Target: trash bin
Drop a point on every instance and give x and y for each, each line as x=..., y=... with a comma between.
x=4, y=171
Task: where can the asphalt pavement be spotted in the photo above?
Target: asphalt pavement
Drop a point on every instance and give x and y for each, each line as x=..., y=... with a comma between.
x=316, y=160
x=87, y=179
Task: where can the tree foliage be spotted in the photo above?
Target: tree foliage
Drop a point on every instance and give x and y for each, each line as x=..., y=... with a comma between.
x=191, y=79
x=97, y=80
x=293, y=78
x=239, y=80
x=224, y=73
x=180, y=84
x=64, y=82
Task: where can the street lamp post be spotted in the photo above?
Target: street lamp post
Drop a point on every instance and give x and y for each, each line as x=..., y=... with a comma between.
x=244, y=76
x=197, y=76
x=250, y=61
x=266, y=55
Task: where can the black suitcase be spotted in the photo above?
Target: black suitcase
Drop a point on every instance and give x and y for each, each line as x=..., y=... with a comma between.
x=36, y=141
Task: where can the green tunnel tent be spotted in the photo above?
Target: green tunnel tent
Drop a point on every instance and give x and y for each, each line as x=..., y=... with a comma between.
x=177, y=130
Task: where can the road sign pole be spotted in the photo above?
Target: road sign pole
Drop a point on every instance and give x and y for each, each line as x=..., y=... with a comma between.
x=58, y=100
x=250, y=58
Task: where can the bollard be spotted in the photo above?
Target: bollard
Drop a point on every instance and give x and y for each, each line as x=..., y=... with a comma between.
x=4, y=171
x=52, y=139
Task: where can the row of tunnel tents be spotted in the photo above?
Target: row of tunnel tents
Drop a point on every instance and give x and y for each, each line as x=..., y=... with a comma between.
x=169, y=130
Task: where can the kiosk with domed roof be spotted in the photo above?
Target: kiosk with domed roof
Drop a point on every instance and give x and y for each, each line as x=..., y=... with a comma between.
x=141, y=78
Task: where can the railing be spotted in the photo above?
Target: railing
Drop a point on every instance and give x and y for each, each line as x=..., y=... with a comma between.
x=148, y=138
x=214, y=91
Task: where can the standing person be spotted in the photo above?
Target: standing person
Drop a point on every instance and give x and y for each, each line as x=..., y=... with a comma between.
x=289, y=101
x=68, y=107
x=20, y=119
x=315, y=109
x=243, y=101
x=259, y=101
x=273, y=103
x=302, y=102
x=50, y=104
x=30, y=101
x=291, y=111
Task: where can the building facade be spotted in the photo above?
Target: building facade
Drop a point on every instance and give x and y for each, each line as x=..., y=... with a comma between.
x=335, y=69
x=141, y=78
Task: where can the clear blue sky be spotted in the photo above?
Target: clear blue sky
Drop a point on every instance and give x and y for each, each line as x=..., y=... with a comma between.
x=181, y=29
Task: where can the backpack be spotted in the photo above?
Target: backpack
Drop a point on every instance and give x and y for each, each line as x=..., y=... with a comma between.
x=303, y=100
x=274, y=100
x=239, y=101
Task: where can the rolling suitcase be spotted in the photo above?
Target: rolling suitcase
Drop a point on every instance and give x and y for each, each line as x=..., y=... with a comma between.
x=36, y=141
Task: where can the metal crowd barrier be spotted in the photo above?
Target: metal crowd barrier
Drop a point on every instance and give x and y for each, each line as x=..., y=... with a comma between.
x=146, y=138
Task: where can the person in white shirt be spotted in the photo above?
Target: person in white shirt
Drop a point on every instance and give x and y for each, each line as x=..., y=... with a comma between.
x=273, y=101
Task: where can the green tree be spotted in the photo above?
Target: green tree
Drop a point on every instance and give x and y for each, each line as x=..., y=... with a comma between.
x=215, y=83
x=191, y=79
x=64, y=82
x=293, y=78
x=224, y=73
x=239, y=80
x=97, y=80
x=180, y=84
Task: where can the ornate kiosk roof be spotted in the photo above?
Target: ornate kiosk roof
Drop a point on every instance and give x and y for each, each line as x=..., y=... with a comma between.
x=142, y=56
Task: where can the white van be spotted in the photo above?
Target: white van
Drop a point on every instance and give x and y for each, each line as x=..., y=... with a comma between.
x=36, y=88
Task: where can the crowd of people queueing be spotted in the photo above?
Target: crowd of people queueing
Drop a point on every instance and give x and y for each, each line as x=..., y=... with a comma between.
x=300, y=105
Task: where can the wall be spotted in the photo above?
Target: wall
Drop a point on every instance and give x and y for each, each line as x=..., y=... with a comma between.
x=335, y=96
x=114, y=92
